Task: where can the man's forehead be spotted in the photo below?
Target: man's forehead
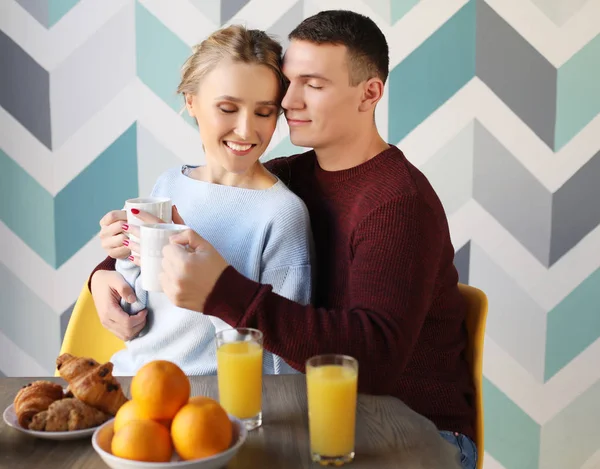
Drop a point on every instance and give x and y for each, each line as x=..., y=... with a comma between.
x=304, y=57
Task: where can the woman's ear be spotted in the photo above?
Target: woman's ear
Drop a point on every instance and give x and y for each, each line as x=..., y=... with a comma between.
x=189, y=104
x=372, y=93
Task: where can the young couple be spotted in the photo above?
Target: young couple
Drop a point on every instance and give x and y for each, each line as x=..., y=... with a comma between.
x=381, y=286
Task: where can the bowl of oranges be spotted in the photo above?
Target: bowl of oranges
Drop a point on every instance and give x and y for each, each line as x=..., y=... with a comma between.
x=161, y=426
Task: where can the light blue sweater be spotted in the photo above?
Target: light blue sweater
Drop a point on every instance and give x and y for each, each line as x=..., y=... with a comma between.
x=264, y=234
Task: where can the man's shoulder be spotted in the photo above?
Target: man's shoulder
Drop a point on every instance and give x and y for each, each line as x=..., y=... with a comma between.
x=283, y=166
x=395, y=180
x=391, y=176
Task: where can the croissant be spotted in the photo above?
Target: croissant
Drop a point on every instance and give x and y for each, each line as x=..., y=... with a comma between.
x=92, y=383
x=67, y=415
x=69, y=366
x=35, y=397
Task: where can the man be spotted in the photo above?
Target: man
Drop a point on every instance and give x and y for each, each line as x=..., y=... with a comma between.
x=386, y=287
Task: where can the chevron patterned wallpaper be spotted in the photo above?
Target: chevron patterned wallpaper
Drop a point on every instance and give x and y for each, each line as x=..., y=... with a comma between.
x=497, y=101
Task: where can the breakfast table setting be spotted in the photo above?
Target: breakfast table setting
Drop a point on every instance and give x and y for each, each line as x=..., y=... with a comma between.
x=388, y=434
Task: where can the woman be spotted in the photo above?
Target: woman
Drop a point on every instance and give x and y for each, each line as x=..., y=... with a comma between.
x=232, y=85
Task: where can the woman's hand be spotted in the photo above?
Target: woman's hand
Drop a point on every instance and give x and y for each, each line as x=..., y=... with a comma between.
x=115, y=232
x=112, y=237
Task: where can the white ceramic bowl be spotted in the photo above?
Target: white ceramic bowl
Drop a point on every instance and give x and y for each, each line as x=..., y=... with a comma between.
x=102, y=439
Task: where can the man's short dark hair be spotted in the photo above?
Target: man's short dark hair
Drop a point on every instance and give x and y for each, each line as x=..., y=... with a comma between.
x=367, y=47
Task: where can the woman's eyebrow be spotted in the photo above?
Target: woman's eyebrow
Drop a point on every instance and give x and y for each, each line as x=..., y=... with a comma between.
x=238, y=100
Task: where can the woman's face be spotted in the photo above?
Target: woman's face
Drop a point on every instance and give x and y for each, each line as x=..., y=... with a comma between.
x=236, y=110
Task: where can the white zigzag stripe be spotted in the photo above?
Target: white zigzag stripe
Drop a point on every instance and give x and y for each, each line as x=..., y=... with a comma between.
x=547, y=287
x=51, y=47
x=490, y=463
x=191, y=26
x=253, y=13
x=476, y=101
x=182, y=18
x=593, y=462
x=557, y=44
x=168, y=128
x=57, y=288
x=541, y=401
x=419, y=24
x=14, y=361
x=53, y=170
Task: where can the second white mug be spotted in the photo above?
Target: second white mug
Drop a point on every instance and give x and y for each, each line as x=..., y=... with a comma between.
x=154, y=238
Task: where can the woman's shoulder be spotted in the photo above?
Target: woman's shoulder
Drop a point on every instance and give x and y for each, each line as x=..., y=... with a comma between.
x=286, y=202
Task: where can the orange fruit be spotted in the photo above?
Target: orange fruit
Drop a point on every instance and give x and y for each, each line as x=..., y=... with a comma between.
x=142, y=440
x=131, y=411
x=160, y=388
x=201, y=429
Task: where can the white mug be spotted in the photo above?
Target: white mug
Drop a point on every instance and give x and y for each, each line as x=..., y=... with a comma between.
x=158, y=206
x=154, y=238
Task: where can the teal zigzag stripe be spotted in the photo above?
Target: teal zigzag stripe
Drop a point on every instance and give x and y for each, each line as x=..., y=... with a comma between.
x=160, y=55
x=511, y=436
x=573, y=325
x=578, y=93
x=432, y=73
x=57, y=227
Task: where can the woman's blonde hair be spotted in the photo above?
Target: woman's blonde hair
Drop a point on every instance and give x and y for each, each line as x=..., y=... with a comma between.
x=249, y=46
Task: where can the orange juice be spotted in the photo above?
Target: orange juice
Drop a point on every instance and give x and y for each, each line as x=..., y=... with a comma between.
x=331, y=409
x=239, y=373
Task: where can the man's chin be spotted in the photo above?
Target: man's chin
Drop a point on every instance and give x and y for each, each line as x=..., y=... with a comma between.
x=299, y=141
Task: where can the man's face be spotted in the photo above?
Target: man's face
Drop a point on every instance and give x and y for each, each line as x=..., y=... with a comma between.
x=320, y=105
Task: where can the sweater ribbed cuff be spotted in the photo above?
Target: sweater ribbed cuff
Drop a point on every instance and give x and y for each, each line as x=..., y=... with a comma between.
x=231, y=296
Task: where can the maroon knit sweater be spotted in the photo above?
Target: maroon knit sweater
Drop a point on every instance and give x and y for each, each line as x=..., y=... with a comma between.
x=385, y=287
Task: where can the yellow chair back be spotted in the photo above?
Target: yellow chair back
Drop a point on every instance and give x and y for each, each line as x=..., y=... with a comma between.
x=85, y=335
x=477, y=309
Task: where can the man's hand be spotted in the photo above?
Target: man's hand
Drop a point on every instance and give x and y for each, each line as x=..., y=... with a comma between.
x=191, y=268
x=108, y=287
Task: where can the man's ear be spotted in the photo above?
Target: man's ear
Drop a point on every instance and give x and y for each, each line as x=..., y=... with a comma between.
x=372, y=93
x=189, y=102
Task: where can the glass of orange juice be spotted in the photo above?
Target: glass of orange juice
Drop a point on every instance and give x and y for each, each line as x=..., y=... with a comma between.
x=239, y=374
x=332, y=382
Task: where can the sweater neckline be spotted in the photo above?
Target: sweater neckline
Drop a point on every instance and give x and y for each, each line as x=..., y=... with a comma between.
x=329, y=177
x=186, y=168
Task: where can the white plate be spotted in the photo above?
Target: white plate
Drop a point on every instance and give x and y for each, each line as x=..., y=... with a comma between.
x=10, y=417
x=103, y=437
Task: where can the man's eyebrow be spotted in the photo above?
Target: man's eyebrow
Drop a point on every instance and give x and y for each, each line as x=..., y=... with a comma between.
x=238, y=100
x=315, y=75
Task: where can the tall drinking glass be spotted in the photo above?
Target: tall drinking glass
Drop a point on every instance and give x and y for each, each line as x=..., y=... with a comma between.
x=332, y=382
x=239, y=374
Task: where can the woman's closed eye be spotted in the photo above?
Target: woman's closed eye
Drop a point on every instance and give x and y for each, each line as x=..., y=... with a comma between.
x=259, y=114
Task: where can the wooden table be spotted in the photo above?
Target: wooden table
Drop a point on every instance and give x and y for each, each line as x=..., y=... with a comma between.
x=389, y=434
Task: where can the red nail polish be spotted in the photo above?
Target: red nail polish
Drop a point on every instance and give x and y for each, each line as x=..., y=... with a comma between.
x=126, y=242
x=135, y=211
x=125, y=227
x=130, y=258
